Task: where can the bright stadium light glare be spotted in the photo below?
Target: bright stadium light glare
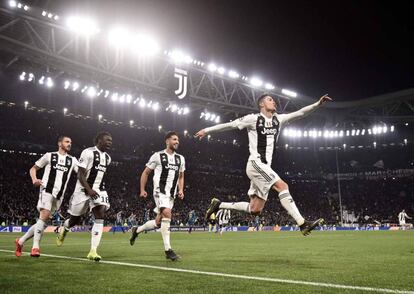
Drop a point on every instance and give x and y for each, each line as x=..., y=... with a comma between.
x=269, y=86
x=384, y=129
x=56, y=17
x=44, y=13
x=144, y=45
x=12, y=3
x=405, y=141
x=185, y=132
x=65, y=110
x=75, y=86
x=119, y=37
x=353, y=133
x=233, y=74
x=221, y=70
x=22, y=76
x=155, y=106
x=217, y=120
x=19, y=5
x=49, y=82
x=26, y=8
x=50, y=15
x=369, y=132
x=207, y=116
x=256, y=82
x=363, y=132
x=357, y=132
x=289, y=93
x=82, y=25
x=114, y=97
x=131, y=122
x=186, y=110
x=392, y=129
x=178, y=57
x=26, y=103
x=174, y=108
x=128, y=98
x=66, y=85
x=100, y=116
x=122, y=99
x=31, y=77
x=91, y=92
x=341, y=133
x=159, y=127
x=142, y=103
x=202, y=115
x=42, y=80
x=212, y=67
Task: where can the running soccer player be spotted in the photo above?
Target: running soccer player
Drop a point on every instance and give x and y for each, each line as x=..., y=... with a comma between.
x=118, y=223
x=90, y=192
x=263, y=129
x=58, y=168
x=223, y=218
x=192, y=218
x=168, y=167
x=401, y=218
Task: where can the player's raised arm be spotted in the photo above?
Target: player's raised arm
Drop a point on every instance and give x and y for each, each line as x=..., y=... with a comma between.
x=240, y=123
x=305, y=110
x=143, y=181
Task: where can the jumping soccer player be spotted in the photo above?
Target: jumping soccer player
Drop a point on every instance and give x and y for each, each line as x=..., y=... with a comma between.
x=58, y=168
x=263, y=130
x=169, y=169
x=90, y=192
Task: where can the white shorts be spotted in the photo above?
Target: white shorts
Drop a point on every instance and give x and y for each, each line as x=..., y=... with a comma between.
x=262, y=178
x=223, y=223
x=47, y=201
x=162, y=201
x=80, y=202
x=402, y=223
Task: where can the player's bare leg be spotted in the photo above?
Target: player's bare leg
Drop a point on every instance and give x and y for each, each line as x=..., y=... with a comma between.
x=287, y=202
x=96, y=232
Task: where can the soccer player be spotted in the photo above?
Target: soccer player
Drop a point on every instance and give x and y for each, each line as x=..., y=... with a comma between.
x=132, y=220
x=168, y=167
x=263, y=129
x=401, y=218
x=118, y=223
x=58, y=168
x=90, y=192
x=223, y=218
x=192, y=218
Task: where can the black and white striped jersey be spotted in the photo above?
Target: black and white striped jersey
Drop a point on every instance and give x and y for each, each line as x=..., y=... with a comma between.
x=167, y=169
x=96, y=163
x=262, y=131
x=223, y=216
x=58, y=169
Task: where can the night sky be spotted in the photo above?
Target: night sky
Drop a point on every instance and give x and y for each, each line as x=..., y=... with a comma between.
x=350, y=50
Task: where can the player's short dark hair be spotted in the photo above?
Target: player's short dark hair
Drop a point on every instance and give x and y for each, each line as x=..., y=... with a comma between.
x=170, y=134
x=61, y=137
x=261, y=97
x=99, y=137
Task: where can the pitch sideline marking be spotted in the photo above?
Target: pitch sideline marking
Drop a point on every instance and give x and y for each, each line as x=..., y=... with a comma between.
x=275, y=280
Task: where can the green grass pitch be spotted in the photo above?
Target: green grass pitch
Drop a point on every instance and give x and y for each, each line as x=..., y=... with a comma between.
x=379, y=259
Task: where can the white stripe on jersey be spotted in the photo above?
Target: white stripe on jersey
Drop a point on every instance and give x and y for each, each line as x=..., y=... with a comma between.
x=166, y=172
x=223, y=216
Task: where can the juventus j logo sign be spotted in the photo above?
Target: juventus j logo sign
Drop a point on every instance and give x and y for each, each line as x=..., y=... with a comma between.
x=182, y=77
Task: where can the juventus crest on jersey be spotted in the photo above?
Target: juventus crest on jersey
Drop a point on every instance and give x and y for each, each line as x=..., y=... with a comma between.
x=166, y=171
x=58, y=169
x=96, y=163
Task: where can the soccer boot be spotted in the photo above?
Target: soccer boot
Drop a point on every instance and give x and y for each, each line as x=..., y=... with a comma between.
x=308, y=226
x=19, y=248
x=93, y=256
x=170, y=254
x=61, y=236
x=213, y=208
x=134, y=235
x=35, y=252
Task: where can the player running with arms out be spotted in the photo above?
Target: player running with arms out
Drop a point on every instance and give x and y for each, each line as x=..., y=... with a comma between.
x=58, y=168
x=90, y=191
x=168, y=167
x=263, y=129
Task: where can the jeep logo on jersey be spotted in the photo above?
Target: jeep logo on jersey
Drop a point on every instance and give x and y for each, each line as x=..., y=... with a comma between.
x=60, y=167
x=100, y=168
x=182, y=77
x=269, y=131
x=173, y=167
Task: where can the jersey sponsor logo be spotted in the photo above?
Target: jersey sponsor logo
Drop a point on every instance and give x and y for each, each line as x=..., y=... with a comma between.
x=100, y=168
x=269, y=131
x=60, y=167
x=172, y=167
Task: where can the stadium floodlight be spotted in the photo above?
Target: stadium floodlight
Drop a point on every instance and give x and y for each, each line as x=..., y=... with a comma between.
x=256, y=82
x=341, y=133
x=131, y=122
x=305, y=134
x=357, y=132
x=128, y=98
x=369, y=132
x=114, y=97
x=56, y=17
x=178, y=56
x=375, y=144
x=159, y=127
x=405, y=141
x=82, y=25
x=49, y=82
x=100, y=92
x=326, y=134
x=26, y=8
x=106, y=94
x=185, y=132
x=286, y=146
x=84, y=89
x=100, y=116
x=384, y=129
x=344, y=145
x=289, y=93
x=406, y=124
x=374, y=130
x=233, y=74
x=353, y=133
x=392, y=129
x=174, y=108
x=212, y=67
x=44, y=13
x=319, y=133
x=122, y=99
x=208, y=137
x=347, y=133
x=119, y=37
x=207, y=116
x=212, y=117
x=26, y=103
x=217, y=120
x=142, y=103
x=65, y=110
x=186, y=110
x=22, y=76
x=363, y=132
x=12, y=3
x=221, y=70
x=144, y=45
x=155, y=106
x=42, y=80
x=75, y=86
x=19, y=5
x=269, y=86
x=202, y=115
x=50, y=15
x=91, y=92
